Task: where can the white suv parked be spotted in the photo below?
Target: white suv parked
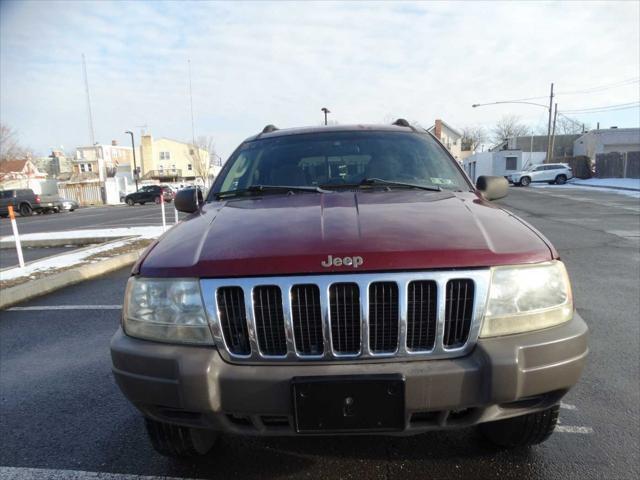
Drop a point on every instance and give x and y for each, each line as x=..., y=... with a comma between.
x=557, y=173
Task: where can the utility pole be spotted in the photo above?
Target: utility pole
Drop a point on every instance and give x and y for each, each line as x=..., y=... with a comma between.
x=325, y=110
x=553, y=133
x=193, y=129
x=92, y=135
x=548, y=159
x=135, y=167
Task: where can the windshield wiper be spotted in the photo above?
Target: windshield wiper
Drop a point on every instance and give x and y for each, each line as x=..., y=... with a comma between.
x=391, y=183
x=269, y=188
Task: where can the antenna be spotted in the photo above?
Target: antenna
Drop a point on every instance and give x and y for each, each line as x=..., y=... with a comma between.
x=193, y=130
x=86, y=87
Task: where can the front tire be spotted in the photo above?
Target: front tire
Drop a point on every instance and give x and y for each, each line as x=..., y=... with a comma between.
x=525, y=181
x=522, y=431
x=176, y=441
x=561, y=179
x=130, y=202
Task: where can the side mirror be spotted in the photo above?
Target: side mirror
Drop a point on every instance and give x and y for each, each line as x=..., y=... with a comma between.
x=188, y=200
x=493, y=188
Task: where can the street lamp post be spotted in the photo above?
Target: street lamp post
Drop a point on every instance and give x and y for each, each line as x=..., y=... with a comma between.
x=135, y=167
x=548, y=108
x=325, y=110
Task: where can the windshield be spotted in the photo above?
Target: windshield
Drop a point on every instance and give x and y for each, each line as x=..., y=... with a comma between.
x=338, y=159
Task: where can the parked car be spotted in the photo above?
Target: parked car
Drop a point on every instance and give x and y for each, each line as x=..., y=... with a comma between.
x=557, y=173
x=347, y=280
x=149, y=194
x=24, y=201
x=68, y=204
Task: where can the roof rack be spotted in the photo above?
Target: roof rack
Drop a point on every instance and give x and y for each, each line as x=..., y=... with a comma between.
x=401, y=122
x=269, y=128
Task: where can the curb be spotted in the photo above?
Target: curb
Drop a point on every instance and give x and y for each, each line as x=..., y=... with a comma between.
x=35, y=288
x=58, y=242
x=604, y=186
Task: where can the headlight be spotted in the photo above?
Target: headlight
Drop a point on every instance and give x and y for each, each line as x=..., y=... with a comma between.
x=527, y=298
x=169, y=310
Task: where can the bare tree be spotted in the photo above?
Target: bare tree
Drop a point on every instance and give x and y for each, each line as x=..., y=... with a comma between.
x=508, y=126
x=10, y=148
x=472, y=138
x=201, y=153
x=567, y=126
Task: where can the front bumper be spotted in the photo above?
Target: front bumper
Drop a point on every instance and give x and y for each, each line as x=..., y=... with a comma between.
x=502, y=377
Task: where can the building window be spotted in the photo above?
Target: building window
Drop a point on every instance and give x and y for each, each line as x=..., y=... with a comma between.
x=189, y=167
x=165, y=156
x=86, y=167
x=511, y=163
x=191, y=151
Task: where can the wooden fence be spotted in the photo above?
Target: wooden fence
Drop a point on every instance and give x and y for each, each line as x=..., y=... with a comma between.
x=618, y=165
x=83, y=193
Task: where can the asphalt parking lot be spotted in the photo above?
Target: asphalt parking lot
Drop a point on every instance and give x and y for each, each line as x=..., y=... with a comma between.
x=60, y=410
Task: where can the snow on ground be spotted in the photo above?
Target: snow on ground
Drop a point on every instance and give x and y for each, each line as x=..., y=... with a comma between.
x=142, y=232
x=134, y=234
x=61, y=261
x=633, y=183
x=599, y=184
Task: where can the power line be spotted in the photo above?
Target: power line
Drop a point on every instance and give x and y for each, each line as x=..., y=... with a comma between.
x=600, y=88
x=604, y=108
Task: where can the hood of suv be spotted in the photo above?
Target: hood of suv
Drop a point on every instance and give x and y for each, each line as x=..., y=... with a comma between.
x=305, y=233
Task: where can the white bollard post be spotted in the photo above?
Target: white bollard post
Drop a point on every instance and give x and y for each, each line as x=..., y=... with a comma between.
x=164, y=219
x=176, y=212
x=14, y=227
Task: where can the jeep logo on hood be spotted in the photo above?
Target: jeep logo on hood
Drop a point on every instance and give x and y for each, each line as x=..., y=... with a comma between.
x=332, y=261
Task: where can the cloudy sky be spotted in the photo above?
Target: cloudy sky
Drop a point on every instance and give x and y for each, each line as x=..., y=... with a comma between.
x=277, y=62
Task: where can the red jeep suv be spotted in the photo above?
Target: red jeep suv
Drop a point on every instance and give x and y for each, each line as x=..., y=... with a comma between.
x=347, y=280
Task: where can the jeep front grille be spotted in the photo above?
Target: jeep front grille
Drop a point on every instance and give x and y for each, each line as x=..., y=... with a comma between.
x=412, y=315
x=307, y=319
x=421, y=316
x=344, y=304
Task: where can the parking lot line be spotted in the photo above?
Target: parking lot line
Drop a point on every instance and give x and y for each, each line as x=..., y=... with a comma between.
x=21, y=473
x=64, y=307
x=573, y=429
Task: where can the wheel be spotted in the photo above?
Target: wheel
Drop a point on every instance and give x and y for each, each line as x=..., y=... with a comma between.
x=26, y=210
x=525, y=181
x=561, y=179
x=522, y=431
x=157, y=200
x=175, y=441
x=142, y=203
x=130, y=202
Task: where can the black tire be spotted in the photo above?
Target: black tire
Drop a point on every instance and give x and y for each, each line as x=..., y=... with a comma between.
x=525, y=181
x=561, y=179
x=175, y=441
x=25, y=210
x=522, y=431
x=130, y=202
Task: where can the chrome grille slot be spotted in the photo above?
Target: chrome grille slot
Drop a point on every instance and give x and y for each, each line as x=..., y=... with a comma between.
x=355, y=316
x=306, y=314
x=344, y=311
x=422, y=315
x=267, y=308
x=383, y=317
x=233, y=318
x=458, y=312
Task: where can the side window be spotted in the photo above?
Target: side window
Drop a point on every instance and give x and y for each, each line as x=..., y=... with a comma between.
x=511, y=163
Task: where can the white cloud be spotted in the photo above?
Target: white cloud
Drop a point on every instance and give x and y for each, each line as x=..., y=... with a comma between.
x=280, y=62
